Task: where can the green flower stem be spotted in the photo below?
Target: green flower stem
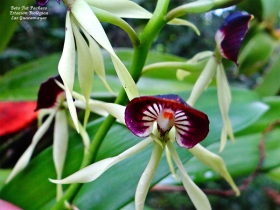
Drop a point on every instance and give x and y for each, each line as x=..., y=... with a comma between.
x=199, y=7
x=191, y=67
x=107, y=17
x=141, y=51
x=147, y=176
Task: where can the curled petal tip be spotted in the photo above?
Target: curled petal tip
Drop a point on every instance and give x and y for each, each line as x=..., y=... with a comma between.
x=191, y=125
x=42, y=3
x=230, y=35
x=48, y=93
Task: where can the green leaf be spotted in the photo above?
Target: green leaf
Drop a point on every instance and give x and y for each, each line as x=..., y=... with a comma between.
x=256, y=53
x=270, y=84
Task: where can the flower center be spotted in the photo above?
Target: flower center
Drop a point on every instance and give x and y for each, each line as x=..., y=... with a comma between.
x=165, y=121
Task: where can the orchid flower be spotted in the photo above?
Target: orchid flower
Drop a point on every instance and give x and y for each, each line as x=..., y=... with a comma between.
x=228, y=41
x=162, y=119
x=50, y=102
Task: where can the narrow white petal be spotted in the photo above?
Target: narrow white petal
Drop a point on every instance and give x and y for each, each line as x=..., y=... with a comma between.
x=60, y=144
x=224, y=99
x=125, y=78
x=85, y=137
x=121, y=8
x=85, y=63
x=93, y=171
x=203, y=80
x=215, y=162
x=147, y=176
x=98, y=63
x=24, y=159
x=91, y=24
x=198, y=197
x=85, y=68
x=66, y=68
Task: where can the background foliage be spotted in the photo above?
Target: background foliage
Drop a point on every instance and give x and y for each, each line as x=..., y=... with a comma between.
x=31, y=51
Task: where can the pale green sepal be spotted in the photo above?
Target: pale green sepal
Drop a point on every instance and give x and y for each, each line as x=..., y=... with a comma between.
x=98, y=63
x=24, y=159
x=42, y=113
x=90, y=23
x=196, y=195
x=85, y=137
x=156, y=140
x=224, y=99
x=99, y=107
x=125, y=78
x=147, y=176
x=66, y=68
x=182, y=74
x=60, y=144
x=85, y=68
x=215, y=162
x=191, y=67
x=178, y=21
x=171, y=165
x=93, y=171
x=122, y=8
x=203, y=80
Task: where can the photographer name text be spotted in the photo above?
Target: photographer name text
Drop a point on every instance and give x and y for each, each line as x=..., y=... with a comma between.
x=28, y=13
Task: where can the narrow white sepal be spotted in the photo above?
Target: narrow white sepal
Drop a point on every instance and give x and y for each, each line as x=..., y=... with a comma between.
x=215, y=162
x=24, y=159
x=93, y=171
x=147, y=176
x=203, y=80
x=91, y=24
x=224, y=99
x=60, y=144
x=66, y=68
x=85, y=68
x=198, y=197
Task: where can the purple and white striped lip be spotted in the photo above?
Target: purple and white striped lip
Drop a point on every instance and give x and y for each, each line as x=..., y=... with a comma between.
x=191, y=125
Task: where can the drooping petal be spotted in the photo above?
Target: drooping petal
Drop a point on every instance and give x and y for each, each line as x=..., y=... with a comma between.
x=60, y=144
x=24, y=159
x=66, y=68
x=98, y=61
x=197, y=196
x=93, y=171
x=224, y=99
x=48, y=93
x=85, y=67
x=147, y=176
x=203, y=80
x=191, y=125
x=91, y=24
x=231, y=33
x=215, y=162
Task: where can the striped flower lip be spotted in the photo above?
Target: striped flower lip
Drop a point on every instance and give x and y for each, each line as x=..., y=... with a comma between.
x=191, y=125
x=231, y=34
x=48, y=93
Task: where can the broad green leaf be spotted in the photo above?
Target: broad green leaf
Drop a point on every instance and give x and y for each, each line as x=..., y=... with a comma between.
x=256, y=53
x=269, y=84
